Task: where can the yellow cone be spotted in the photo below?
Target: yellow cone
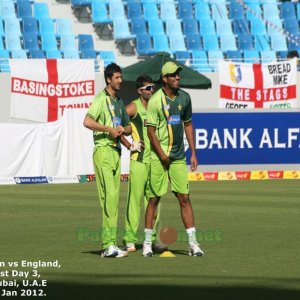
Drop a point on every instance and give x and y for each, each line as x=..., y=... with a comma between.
x=167, y=254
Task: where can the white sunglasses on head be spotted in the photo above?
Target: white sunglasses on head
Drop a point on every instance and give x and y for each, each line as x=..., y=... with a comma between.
x=148, y=88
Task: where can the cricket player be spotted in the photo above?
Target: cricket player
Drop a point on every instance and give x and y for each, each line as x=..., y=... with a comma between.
x=169, y=115
x=108, y=119
x=138, y=188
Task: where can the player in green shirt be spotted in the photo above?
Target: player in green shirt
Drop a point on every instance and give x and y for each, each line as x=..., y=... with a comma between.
x=169, y=115
x=108, y=119
x=138, y=187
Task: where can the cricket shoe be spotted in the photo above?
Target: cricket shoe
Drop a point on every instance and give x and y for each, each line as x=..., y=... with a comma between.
x=113, y=251
x=194, y=249
x=130, y=247
x=147, y=250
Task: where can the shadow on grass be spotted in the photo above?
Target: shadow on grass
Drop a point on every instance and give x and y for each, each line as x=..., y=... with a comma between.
x=162, y=292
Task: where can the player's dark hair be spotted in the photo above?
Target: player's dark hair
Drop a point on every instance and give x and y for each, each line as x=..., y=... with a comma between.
x=142, y=79
x=292, y=54
x=110, y=70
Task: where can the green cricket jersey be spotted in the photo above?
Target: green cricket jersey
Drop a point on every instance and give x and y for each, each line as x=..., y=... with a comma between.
x=139, y=132
x=108, y=111
x=168, y=116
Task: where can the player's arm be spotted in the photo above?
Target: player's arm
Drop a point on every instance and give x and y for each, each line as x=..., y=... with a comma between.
x=91, y=124
x=156, y=146
x=189, y=132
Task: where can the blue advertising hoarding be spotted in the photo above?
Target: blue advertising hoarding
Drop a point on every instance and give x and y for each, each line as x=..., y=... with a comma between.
x=247, y=138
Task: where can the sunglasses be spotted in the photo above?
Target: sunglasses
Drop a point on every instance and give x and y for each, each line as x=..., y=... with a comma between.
x=148, y=87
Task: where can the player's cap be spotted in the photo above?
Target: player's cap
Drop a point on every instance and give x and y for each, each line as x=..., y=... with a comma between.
x=169, y=68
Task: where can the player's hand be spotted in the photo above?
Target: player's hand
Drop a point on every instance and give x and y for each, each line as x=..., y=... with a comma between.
x=114, y=133
x=137, y=146
x=194, y=163
x=120, y=129
x=165, y=161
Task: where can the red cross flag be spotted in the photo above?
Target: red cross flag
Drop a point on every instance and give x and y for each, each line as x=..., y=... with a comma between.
x=42, y=89
x=270, y=85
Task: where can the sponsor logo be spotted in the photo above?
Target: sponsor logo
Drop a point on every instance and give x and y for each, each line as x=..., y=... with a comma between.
x=210, y=175
x=31, y=180
x=243, y=175
x=63, y=179
x=275, y=174
x=174, y=120
x=235, y=73
x=7, y=180
x=116, y=121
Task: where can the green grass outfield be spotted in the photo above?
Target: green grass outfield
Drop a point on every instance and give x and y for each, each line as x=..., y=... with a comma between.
x=257, y=256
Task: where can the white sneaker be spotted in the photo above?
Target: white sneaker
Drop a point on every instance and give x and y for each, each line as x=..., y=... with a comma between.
x=194, y=249
x=147, y=250
x=130, y=247
x=114, y=251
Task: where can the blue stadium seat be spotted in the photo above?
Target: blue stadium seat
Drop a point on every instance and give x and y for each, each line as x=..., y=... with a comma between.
x=88, y=54
x=273, y=26
x=177, y=42
x=12, y=26
x=4, y=61
x=291, y=25
x=99, y=13
x=46, y=26
x=39, y=54
x=173, y=26
x=199, y=61
x=68, y=42
x=193, y=42
x=294, y=46
x=190, y=26
x=282, y=54
x=80, y=3
x=219, y=11
x=267, y=56
x=298, y=11
x=85, y=42
x=49, y=42
x=241, y=27
x=12, y=42
x=223, y=27
x=143, y=45
x=53, y=54
x=185, y=10
x=183, y=57
x=2, y=33
x=270, y=11
x=71, y=54
x=155, y=27
x=134, y=10
x=287, y=10
x=121, y=30
x=117, y=11
x=245, y=42
x=202, y=11
x=160, y=43
x=108, y=57
x=30, y=25
x=258, y=27
x=251, y=56
x=207, y=27
x=278, y=43
x=150, y=11
x=41, y=10
x=63, y=26
x=7, y=9
x=236, y=10
x=19, y=54
x=30, y=41
x=227, y=42
x=253, y=12
x=235, y=56
x=210, y=42
x=261, y=42
x=213, y=58
x=24, y=9
x=138, y=26
x=167, y=11
x=1, y=44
